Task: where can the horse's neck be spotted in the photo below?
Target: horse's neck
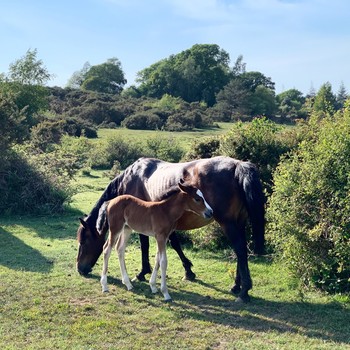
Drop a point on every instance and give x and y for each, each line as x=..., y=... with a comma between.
x=174, y=206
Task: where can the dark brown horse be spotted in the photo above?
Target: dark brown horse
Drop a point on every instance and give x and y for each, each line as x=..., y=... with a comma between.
x=231, y=187
x=126, y=213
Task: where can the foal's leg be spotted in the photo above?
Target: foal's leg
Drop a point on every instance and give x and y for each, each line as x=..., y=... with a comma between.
x=163, y=262
x=120, y=248
x=186, y=263
x=107, y=248
x=153, y=279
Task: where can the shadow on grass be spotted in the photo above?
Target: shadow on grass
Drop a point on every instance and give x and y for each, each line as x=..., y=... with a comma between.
x=328, y=322
x=17, y=255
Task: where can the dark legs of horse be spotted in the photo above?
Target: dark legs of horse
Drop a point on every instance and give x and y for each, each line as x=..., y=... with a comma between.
x=174, y=241
x=243, y=282
x=186, y=263
x=146, y=267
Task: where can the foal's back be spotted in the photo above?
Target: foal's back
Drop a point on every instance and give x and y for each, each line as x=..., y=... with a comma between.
x=139, y=215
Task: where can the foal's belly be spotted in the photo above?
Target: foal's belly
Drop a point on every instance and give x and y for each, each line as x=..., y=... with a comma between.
x=190, y=221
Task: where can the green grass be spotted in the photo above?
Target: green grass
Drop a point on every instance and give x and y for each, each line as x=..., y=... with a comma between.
x=45, y=304
x=185, y=139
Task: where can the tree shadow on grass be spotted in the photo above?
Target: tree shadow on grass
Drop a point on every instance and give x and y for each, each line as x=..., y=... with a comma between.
x=17, y=255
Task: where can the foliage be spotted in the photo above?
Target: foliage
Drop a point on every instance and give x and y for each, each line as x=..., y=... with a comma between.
x=28, y=70
x=164, y=148
x=204, y=148
x=260, y=142
x=290, y=104
x=325, y=100
x=309, y=209
x=34, y=183
x=12, y=121
x=106, y=78
x=143, y=121
x=196, y=74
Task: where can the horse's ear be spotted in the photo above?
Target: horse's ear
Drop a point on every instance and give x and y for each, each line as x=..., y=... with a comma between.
x=183, y=186
x=84, y=223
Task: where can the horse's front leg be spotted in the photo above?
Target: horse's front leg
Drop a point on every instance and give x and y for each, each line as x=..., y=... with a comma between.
x=120, y=248
x=146, y=267
x=186, y=263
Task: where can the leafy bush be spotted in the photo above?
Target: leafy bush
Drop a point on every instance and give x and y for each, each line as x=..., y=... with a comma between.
x=206, y=148
x=34, y=183
x=262, y=142
x=167, y=149
x=309, y=210
x=143, y=121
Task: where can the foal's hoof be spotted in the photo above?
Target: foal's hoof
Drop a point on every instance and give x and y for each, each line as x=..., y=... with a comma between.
x=189, y=276
x=168, y=300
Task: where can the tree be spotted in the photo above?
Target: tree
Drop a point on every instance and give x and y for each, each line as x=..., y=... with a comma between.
x=28, y=70
x=325, y=101
x=342, y=96
x=196, y=74
x=25, y=82
x=290, y=103
x=77, y=78
x=107, y=77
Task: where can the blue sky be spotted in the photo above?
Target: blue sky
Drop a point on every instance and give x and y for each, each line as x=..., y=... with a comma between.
x=297, y=43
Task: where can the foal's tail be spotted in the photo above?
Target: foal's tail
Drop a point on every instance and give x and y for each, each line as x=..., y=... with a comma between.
x=102, y=221
x=249, y=179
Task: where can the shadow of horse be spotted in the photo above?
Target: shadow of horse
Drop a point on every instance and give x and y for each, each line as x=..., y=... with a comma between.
x=293, y=317
x=17, y=255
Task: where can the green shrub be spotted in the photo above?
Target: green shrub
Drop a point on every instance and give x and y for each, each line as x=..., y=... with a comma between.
x=309, y=210
x=164, y=148
x=260, y=142
x=34, y=183
x=143, y=121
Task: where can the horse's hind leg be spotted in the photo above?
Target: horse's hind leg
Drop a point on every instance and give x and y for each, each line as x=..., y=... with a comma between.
x=186, y=263
x=243, y=282
x=120, y=248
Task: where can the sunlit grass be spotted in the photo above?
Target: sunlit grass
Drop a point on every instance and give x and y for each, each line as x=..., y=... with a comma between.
x=45, y=304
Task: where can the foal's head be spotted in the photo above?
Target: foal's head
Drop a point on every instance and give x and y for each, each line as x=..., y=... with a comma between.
x=196, y=202
x=90, y=247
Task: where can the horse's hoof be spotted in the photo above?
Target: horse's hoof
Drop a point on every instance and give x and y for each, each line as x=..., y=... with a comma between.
x=189, y=276
x=242, y=300
x=154, y=290
x=140, y=277
x=105, y=290
x=235, y=290
x=168, y=300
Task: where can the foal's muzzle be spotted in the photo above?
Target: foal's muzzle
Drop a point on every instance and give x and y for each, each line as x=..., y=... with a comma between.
x=208, y=214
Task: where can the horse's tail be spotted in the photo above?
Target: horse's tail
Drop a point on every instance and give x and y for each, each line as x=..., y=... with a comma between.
x=102, y=221
x=249, y=180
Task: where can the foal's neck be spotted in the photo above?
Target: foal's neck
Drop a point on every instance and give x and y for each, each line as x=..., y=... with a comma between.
x=175, y=205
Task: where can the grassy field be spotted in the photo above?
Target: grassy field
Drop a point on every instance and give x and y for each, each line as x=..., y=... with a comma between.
x=45, y=304
x=185, y=139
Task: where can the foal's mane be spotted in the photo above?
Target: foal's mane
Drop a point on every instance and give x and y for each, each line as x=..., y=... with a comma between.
x=170, y=193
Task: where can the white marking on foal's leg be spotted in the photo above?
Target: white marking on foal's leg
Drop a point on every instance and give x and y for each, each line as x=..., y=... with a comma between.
x=153, y=279
x=120, y=247
x=163, y=268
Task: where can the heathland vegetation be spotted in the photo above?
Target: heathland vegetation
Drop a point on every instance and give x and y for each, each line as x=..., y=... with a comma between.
x=301, y=144
x=55, y=141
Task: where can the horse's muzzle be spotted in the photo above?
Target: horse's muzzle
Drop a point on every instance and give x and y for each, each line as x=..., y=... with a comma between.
x=84, y=270
x=208, y=214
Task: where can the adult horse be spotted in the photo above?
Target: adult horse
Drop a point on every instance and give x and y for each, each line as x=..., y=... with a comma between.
x=231, y=187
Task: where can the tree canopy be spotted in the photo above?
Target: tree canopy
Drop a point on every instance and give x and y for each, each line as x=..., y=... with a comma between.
x=196, y=74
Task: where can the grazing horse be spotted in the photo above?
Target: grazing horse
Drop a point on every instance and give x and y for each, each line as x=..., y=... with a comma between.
x=156, y=219
x=231, y=187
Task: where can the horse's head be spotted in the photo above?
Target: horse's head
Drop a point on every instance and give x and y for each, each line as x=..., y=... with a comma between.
x=90, y=247
x=196, y=202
